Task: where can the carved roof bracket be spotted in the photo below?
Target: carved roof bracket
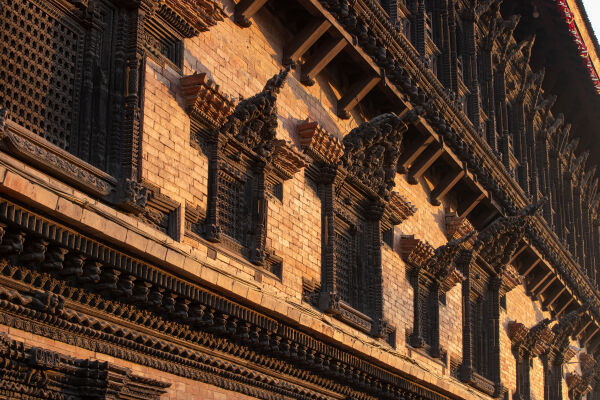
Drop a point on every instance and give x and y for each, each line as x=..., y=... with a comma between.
x=497, y=243
x=560, y=350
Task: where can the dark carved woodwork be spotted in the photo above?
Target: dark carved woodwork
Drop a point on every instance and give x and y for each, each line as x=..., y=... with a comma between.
x=208, y=331
x=488, y=277
x=39, y=373
x=560, y=351
x=358, y=205
x=433, y=273
x=528, y=343
x=246, y=164
x=87, y=68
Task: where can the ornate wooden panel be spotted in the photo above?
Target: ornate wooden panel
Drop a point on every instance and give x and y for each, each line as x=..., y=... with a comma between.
x=41, y=50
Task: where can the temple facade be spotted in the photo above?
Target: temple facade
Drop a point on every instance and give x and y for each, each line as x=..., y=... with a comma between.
x=299, y=199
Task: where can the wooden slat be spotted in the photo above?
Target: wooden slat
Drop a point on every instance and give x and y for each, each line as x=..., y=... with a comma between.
x=531, y=267
x=466, y=207
x=414, y=150
x=555, y=297
x=355, y=94
x=567, y=304
x=595, y=331
x=245, y=10
x=422, y=163
x=537, y=285
x=517, y=253
x=305, y=39
x=444, y=187
x=319, y=60
x=546, y=285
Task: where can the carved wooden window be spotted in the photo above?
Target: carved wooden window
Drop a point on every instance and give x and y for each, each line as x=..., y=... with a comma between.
x=432, y=273
x=247, y=166
x=72, y=83
x=488, y=276
x=232, y=196
x=357, y=207
x=41, y=51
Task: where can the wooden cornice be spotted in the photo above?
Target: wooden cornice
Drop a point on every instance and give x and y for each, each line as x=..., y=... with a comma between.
x=318, y=143
x=203, y=100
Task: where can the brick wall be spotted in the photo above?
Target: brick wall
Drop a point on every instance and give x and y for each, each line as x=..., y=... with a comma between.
x=240, y=61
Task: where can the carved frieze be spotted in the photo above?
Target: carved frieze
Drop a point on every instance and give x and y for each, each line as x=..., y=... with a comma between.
x=37, y=151
x=158, y=304
x=190, y=17
x=44, y=373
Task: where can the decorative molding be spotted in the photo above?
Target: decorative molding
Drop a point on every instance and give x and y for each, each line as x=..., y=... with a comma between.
x=190, y=17
x=44, y=373
x=399, y=208
x=119, y=287
x=203, y=101
x=318, y=143
x=37, y=151
x=287, y=159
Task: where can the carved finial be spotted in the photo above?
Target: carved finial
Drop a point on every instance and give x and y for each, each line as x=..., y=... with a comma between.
x=254, y=121
x=371, y=152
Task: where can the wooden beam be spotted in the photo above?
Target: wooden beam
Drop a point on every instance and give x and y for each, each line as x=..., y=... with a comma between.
x=594, y=333
x=245, y=10
x=531, y=267
x=465, y=207
x=305, y=39
x=555, y=297
x=517, y=253
x=323, y=55
x=414, y=150
x=567, y=304
x=355, y=94
x=582, y=330
x=537, y=285
x=546, y=285
x=422, y=163
x=444, y=187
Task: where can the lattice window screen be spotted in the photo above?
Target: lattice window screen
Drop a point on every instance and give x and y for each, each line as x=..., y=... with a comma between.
x=233, y=213
x=41, y=56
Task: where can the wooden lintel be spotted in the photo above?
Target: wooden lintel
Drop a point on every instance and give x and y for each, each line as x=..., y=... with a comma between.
x=517, y=253
x=424, y=161
x=410, y=154
x=245, y=9
x=531, y=267
x=322, y=56
x=567, y=304
x=555, y=297
x=540, y=282
x=305, y=39
x=465, y=207
x=355, y=94
x=444, y=187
